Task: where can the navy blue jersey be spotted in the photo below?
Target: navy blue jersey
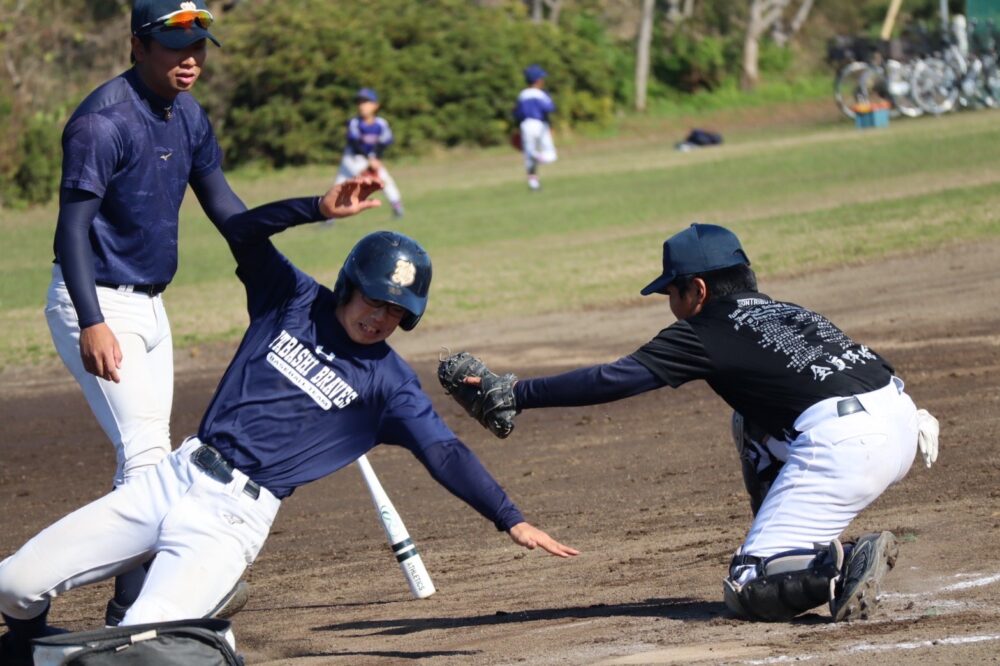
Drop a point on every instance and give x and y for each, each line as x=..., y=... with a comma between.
x=368, y=139
x=533, y=103
x=301, y=400
x=137, y=152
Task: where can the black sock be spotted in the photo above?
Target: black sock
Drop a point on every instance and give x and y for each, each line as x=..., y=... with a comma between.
x=22, y=631
x=129, y=584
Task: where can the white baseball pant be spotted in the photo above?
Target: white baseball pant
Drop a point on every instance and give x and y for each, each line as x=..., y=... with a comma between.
x=536, y=143
x=135, y=413
x=835, y=468
x=204, y=533
x=353, y=165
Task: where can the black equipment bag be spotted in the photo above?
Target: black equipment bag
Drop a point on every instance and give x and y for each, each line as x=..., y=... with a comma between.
x=181, y=643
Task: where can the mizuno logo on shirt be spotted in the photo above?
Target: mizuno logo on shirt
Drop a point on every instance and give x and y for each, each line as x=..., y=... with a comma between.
x=301, y=367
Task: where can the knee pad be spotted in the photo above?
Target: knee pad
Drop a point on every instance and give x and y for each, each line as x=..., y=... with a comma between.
x=784, y=585
x=759, y=467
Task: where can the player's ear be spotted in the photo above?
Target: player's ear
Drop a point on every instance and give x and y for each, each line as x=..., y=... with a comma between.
x=138, y=49
x=701, y=290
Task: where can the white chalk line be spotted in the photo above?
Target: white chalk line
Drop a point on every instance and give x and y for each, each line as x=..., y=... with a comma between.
x=981, y=580
x=965, y=585
x=913, y=645
x=884, y=647
x=978, y=580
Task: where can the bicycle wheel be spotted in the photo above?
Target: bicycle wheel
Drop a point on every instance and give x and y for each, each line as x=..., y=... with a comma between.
x=851, y=86
x=934, y=86
x=900, y=91
x=986, y=81
x=991, y=81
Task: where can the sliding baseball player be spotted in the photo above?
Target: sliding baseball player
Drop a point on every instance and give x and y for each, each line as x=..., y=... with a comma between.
x=312, y=387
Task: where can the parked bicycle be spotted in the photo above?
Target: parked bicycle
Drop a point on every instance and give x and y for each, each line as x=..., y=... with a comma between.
x=957, y=76
x=926, y=72
x=869, y=75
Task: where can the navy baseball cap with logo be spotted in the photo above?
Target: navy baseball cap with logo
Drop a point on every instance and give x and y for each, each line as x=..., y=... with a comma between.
x=366, y=95
x=698, y=249
x=174, y=24
x=534, y=73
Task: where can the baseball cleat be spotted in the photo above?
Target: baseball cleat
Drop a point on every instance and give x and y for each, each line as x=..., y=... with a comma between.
x=114, y=614
x=872, y=557
x=233, y=602
x=13, y=652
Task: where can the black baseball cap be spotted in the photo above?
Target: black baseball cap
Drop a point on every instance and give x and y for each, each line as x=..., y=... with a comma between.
x=174, y=24
x=698, y=249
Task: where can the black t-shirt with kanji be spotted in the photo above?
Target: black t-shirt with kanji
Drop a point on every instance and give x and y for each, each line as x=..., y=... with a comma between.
x=767, y=359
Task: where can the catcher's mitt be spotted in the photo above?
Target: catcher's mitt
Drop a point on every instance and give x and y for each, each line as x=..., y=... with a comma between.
x=491, y=403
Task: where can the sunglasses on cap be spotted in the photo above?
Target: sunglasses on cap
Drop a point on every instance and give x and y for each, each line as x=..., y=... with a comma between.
x=182, y=18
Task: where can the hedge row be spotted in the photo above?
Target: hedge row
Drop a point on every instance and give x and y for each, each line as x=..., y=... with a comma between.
x=447, y=72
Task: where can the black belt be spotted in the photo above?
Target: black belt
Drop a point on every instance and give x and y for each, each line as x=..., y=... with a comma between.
x=210, y=461
x=148, y=289
x=849, y=406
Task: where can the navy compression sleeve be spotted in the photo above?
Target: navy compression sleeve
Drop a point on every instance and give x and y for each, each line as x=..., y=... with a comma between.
x=256, y=225
x=77, y=210
x=587, y=386
x=216, y=197
x=458, y=469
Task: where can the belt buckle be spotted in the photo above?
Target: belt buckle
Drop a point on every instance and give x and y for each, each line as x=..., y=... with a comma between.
x=849, y=406
x=199, y=455
x=209, y=460
x=212, y=463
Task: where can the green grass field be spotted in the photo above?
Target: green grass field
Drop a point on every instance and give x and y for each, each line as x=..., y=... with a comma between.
x=800, y=197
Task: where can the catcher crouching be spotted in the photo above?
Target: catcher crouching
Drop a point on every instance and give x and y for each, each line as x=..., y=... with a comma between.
x=822, y=423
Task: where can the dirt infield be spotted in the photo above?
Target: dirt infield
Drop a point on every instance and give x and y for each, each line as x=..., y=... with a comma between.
x=649, y=489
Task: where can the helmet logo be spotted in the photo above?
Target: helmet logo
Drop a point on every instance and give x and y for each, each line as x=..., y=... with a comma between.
x=405, y=273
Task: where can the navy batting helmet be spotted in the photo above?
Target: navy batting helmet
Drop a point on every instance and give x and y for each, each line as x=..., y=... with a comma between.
x=389, y=266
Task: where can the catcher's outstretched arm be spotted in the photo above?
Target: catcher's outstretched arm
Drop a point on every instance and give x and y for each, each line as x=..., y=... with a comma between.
x=592, y=385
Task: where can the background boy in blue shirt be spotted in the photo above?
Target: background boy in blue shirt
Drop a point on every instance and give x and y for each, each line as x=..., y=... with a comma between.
x=532, y=115
x=368, y=136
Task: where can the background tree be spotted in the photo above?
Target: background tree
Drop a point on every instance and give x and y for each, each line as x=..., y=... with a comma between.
x=763, y=14
x=280, y=91
x=643, y=42
x=539, y=8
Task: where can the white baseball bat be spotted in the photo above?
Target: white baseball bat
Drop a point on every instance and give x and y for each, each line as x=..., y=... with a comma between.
x=399, y=539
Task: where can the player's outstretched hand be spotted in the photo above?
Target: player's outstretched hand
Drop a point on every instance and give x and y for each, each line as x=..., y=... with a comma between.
x=350, y=197
x=530, y=537
x=100, y=352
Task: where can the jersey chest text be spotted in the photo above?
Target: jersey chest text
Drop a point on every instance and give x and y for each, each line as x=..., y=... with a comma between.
x=304, y=368
x=807, y=340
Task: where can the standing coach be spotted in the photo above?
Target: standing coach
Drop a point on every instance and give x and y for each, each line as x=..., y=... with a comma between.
x=129, y=152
